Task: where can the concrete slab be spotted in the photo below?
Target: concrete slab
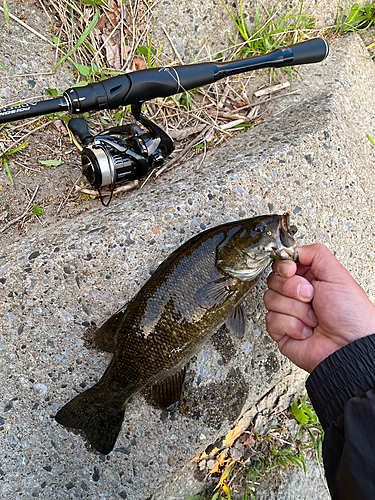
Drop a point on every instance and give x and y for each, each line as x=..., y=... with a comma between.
x=27, y=58
x=311, y=157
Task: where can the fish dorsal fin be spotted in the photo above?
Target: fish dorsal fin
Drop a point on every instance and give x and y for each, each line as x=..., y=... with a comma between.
x=237, y=321
x=104, y=338
x=167, y=392
x=214, y=294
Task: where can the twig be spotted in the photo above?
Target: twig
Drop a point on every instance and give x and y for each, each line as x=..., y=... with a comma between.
x=184, y=151
x=232, y=124
x=265, y=101
x=281, y=111
x=172, y=44
x=27, y=135
x=271, y=90
x=26, y=212
x=120, y=189
x=28, y=74
x=65, y=199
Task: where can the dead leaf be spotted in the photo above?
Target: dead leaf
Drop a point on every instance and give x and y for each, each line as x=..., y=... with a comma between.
x=101, y=22
x=114, y=13
x=138, y=64
x=59, y=125
x=240, y=428
x=180, y=135
x=112, y=53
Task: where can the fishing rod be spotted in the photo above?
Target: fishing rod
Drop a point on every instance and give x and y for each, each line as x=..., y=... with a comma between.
x=124, y=153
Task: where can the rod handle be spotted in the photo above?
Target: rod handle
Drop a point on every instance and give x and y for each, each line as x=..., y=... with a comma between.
x=309, y=51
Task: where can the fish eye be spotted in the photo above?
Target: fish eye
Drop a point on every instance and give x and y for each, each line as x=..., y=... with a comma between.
x=293, y=230
x=260, y=228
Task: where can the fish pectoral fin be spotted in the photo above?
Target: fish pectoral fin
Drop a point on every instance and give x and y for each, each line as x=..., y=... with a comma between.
x=237, y=321
x=104, y=338
x=214, y=294
x=167, y=392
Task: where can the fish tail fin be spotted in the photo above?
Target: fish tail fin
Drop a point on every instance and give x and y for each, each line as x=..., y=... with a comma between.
x=95, y=416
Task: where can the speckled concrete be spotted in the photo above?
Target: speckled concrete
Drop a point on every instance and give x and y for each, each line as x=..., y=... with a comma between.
x=311, y=157
x=201, y=30
x=28, y=58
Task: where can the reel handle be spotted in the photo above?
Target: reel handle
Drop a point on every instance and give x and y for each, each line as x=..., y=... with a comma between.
x=79, y=127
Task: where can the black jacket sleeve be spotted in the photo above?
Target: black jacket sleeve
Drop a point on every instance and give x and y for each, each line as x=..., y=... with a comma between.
x=341, y=389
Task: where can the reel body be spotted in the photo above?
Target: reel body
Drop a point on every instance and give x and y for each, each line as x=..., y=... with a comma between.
x=121, y=154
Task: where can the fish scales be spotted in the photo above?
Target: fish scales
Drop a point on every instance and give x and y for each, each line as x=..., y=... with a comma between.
x=194, y=291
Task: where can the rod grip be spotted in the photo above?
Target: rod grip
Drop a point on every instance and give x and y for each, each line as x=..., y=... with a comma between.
x=310, y=51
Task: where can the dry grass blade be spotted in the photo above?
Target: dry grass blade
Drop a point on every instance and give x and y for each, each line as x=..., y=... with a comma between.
x=24, y=214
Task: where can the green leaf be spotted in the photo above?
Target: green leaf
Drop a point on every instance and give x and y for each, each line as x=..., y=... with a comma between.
x=145, y=50
x=93, y=3
x=227, y=491
x=275, y=257
x=227, y=471
x=81, y=39
x=86, y=197
x=371, y=139
x=83, y=70
x=6, y=12
x=15, y=149
x=7, y=169
x=50, y=163
x=3, y=65
x=80, y=84
x=299, y=414
x=37, y=210
x=52, y=92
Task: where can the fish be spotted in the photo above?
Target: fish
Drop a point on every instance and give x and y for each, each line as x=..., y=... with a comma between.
x=198, y=288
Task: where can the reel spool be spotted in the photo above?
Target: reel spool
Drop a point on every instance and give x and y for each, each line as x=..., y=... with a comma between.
x=120, y=154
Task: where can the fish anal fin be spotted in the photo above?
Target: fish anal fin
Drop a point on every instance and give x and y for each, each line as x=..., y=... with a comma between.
x=237, y=321
x=214, y=294
x=104, y=338
x=167, y=392
x=98, y=420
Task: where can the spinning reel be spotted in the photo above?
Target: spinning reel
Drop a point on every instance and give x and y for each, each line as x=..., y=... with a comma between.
x=125, y=153
x=121, y=153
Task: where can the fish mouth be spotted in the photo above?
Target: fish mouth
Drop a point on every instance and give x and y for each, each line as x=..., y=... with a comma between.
x=285, y=245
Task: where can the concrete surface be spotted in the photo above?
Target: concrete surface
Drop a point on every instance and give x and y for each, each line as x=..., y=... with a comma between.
x=311, y=157
x=28, y=58
x=202, y=30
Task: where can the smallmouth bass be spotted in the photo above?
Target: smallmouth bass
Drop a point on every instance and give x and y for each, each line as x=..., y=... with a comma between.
x=200, y=286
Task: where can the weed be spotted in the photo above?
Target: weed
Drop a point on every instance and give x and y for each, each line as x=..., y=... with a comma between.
x=274, y=33
x=355, y=18
x=269, y=453
x=4, y=158
x=309, y=423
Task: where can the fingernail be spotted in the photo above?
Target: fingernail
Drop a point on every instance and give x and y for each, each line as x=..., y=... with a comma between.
x=305, y=291
x=307, y=332
x=312, y=316
x=283, y=269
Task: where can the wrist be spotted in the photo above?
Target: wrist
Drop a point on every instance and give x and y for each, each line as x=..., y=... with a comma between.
x=348, y=372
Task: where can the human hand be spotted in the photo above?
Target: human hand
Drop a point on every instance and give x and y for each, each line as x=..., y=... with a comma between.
x=315, y=307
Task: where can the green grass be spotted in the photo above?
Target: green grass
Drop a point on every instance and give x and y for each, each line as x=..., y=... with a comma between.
x=355, y=18
x=4, y=159
x=274, y=33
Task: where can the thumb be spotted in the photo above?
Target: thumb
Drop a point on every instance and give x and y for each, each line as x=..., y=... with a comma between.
x=323, y=264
